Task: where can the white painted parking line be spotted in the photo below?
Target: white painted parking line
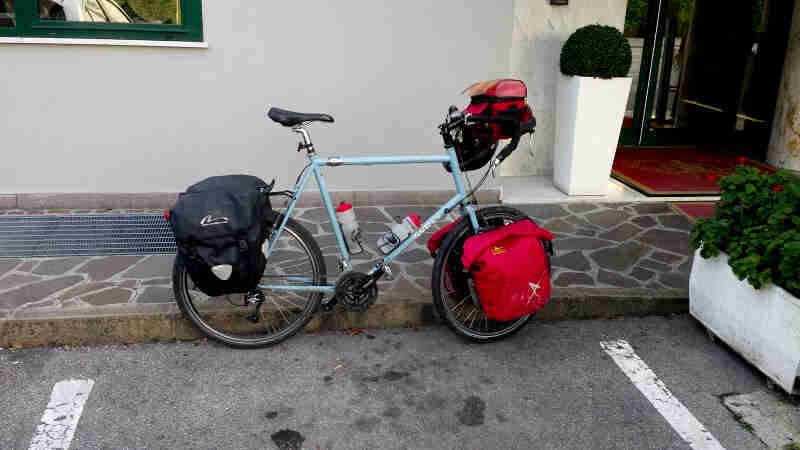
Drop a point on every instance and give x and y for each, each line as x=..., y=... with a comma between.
x=681, y=420
x=60, y=419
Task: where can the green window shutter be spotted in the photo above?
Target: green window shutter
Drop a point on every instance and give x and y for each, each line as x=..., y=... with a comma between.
x=189, y=14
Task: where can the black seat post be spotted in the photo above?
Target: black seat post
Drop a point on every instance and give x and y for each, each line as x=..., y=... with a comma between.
x=305, y=139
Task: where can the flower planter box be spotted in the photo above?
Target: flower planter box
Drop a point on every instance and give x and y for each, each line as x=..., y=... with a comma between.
x=589, y=114
x=762, y=325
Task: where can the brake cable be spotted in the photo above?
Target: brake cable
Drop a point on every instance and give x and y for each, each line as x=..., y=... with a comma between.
x=469, y=184
x=482, y=180
x=290, y=195
x=530, y=145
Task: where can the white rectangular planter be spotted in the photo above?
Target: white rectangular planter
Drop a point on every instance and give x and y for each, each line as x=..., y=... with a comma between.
x=589, y=114
x=762, y=325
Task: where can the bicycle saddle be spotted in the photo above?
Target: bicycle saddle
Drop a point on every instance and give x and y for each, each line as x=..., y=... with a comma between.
x=291, y=118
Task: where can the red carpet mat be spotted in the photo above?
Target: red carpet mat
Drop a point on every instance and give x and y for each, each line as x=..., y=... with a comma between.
x=663, y=171
x=694, y=210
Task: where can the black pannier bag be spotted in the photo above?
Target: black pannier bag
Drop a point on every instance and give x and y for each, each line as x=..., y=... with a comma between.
x=220, y=225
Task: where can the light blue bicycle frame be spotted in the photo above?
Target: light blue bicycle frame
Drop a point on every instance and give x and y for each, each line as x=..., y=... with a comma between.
x=315, y=168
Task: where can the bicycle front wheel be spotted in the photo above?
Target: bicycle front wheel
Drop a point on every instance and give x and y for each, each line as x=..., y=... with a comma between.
x=295, y=260
x=454, y=299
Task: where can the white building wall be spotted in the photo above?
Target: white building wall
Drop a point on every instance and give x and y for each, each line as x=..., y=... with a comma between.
x=539, y=32
x=784, y=145
x=86, y=118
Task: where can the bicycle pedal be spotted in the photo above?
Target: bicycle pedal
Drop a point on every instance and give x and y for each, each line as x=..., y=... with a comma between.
x=255, y=297
x=387, y=272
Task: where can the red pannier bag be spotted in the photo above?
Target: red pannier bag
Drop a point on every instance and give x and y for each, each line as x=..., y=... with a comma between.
x=495, y=98
x=436, y=240
x=509, y=264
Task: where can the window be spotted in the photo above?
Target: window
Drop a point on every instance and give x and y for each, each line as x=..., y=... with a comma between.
x=155, y=20
x=7, y=14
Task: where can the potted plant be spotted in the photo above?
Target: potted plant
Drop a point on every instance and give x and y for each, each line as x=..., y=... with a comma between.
x=592, y=95
x=753, y=236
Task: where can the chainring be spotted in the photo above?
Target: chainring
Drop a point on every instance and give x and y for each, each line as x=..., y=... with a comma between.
x=351, y=293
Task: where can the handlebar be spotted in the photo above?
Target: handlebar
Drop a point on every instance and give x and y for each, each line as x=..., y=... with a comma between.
x=521, y=128
x=457, y=119
x=525, y=127
x=489, y=119
x=508, y=149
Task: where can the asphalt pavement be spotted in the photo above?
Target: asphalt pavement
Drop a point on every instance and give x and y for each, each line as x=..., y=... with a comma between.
x=552, y=386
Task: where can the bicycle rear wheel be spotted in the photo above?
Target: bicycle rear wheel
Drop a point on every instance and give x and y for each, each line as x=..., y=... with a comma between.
x=452, y=296
x=295, y=260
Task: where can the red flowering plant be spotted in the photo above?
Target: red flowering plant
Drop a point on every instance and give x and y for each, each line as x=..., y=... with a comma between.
x=757, y=223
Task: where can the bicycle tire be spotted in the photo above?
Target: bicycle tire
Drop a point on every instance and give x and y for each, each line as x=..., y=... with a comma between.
x=447, y=267
x=181, y=279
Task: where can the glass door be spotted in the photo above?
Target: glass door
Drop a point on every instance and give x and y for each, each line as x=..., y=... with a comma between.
x=706, y=73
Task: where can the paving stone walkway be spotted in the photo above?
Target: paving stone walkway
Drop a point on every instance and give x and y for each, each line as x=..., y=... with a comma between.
x=627, y=245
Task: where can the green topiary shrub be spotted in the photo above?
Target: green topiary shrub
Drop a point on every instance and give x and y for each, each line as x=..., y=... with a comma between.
x=596, y=51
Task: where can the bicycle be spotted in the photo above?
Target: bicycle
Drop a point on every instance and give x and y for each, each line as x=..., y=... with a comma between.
x=295, y=281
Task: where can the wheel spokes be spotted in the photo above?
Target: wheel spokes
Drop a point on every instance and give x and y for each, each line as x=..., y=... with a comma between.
x=464, y=314
x=293, y=264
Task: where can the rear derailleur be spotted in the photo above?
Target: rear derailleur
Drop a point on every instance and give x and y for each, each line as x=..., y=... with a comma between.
x=255, y=297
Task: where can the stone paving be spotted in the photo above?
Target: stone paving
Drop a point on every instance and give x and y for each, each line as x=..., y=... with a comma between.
x=598, y=246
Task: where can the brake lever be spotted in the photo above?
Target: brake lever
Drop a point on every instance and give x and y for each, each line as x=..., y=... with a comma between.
x=530, y=146
x=456, y=123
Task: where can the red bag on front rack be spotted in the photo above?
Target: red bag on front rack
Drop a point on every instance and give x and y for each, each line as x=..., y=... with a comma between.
x=510, y=269
x=498, y=98
x=436, y=240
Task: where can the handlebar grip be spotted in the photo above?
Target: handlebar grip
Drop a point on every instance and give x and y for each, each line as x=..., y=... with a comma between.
x=454, y=123
x=523, y=128
x=508, y=149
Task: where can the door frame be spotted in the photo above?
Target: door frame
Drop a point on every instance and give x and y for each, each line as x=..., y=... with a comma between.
x=641, y=134
x=651, y=53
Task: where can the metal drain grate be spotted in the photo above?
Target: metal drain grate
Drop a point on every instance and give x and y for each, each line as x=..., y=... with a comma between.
x=85, y=235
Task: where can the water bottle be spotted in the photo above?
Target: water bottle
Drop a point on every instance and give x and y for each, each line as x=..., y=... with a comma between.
x=399, y=231
x=346, y=216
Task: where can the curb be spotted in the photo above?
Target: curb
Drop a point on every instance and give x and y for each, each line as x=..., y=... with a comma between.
x=138, y=327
